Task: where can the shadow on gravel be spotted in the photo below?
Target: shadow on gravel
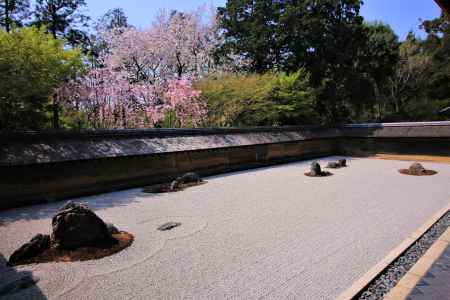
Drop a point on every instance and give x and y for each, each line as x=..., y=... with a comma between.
x=43, y=211
x=13, y=282
x=126, y=197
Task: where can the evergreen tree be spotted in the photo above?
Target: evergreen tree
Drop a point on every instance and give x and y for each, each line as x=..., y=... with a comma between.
x=323, y=36
x=437, y=46
x=63, y=19
x=13, y=13
x=250, y=30
x=378, y=62
x=113, y=19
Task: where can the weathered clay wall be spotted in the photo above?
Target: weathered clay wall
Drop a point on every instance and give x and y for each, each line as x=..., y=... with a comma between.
x=430, y=138
x=39, y=167
x=36, y=148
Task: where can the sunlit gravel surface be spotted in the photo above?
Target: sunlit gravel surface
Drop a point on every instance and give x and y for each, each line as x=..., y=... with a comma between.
x=270, y=233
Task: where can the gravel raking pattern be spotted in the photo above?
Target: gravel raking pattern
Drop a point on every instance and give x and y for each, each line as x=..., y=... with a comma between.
x=392, y=275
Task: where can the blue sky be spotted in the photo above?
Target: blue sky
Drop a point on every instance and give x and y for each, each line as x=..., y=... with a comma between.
x=402, y=15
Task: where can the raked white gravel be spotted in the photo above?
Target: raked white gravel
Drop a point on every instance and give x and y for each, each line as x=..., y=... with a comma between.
x=270, y=233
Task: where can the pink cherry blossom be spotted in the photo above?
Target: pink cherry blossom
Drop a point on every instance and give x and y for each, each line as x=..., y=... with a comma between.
x=147, y=75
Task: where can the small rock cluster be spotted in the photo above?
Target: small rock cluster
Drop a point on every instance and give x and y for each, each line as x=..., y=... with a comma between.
x=416, y=169
x=336, y=165
x=188, y=179
x=316, y=170
x=73, y=226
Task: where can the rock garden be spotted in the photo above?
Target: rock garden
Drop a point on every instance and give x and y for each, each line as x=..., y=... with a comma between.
x=77, y=234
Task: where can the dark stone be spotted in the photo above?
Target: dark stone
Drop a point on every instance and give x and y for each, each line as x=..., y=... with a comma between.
x=38, y=244
x=75, y=225
x=316, y=169
x=168, y=226
x=342, y=163
x=416, y=169
x=112, y=229
x=187, y=178
x=333, y=165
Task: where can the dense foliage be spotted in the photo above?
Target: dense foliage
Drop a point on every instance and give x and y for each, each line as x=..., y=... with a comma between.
x=32, y=66
x=62, y=18
x=13, y=12
x=269, y=99
x=358, y=69
x=250, y=63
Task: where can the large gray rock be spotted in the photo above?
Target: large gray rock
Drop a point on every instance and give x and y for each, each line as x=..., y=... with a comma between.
x=75, y=225
x=38, y=244
x=185, y=179
x=416, y=169
x=316, y=170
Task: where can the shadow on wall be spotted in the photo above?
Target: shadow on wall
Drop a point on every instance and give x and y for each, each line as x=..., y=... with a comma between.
x=29, y=149
x=13, y=282
x=123, y=198
x=97, y=202
x=361, y=130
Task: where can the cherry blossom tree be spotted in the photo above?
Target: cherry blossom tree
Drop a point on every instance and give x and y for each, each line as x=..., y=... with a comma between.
x=190, y=41
x=140, y=54
x=181, y=100
x=146, y=76
x=177, y=45
x=109, y=100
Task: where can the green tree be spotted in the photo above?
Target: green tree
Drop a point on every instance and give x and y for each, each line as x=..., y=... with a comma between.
x=32, y=66
x=322, y=36
x=13, y=12
x=233, y=99
x=408, y=85
x=292, y=100
x=335, y=35
x=378, y=61
x=63, y=19
x=250, y=31
x=437, y=46
x=420, y=87
x=270, y=99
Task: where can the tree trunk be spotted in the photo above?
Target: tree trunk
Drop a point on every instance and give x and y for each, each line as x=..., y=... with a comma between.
x=55, y=108
x=7, y=17
x=53, y=21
